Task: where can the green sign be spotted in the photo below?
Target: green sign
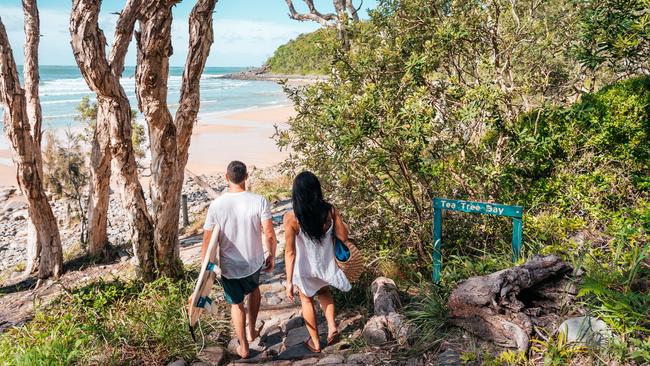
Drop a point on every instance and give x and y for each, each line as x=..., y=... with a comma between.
x=440, y=204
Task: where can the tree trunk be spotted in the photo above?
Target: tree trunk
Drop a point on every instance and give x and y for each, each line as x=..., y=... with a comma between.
x=502, y=307
x=114, y=111
x=100, y=173
x=169, y=138
x=47, y=253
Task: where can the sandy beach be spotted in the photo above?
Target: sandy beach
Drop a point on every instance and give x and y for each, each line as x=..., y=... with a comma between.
x=217, y=139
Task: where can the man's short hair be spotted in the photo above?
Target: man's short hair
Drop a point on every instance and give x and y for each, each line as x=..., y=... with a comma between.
x=236, y=171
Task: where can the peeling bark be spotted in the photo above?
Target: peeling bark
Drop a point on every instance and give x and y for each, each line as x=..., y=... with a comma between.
x=169, y=137
x=100, y=157
x=21, y=117
x=114, y=111
x=502, y=307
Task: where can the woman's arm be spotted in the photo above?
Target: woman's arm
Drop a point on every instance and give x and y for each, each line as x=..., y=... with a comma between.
x=339, y=226
x=289, y=251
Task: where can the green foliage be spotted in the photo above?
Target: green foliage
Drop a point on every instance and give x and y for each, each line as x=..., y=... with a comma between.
x=310, y=53
x=488, y=102
x=64, y=163
x=108, y=323
x=87, y=115
x=409, y=115
x=615, y=34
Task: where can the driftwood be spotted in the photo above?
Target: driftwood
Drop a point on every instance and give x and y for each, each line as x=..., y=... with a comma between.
x=503, y=307
x=387, y=323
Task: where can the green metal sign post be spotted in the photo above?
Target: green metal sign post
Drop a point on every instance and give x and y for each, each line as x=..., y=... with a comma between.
x=440, y=204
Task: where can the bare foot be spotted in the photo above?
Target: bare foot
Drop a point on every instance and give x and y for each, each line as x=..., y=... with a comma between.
x=240, y=351
x=252, y=334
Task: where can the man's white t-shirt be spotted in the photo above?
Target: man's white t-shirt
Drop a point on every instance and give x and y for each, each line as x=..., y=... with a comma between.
x=239, y=216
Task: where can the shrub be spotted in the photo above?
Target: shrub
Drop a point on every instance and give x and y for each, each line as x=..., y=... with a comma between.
x=109, y=323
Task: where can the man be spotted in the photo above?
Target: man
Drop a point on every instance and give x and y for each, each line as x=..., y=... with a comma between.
x=245, y=226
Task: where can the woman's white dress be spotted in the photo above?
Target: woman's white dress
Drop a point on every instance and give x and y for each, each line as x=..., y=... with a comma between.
x=316, y=266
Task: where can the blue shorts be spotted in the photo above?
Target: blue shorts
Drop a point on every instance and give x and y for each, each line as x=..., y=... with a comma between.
x=236, y=289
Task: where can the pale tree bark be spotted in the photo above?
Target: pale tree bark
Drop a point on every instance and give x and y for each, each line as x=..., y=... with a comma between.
x=32, y=38
x=169, y=137
x=113, y=109
x=344, y=12
x=100, y=156
x=19, y=122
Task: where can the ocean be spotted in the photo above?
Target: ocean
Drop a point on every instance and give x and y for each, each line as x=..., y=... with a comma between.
x=62, y=87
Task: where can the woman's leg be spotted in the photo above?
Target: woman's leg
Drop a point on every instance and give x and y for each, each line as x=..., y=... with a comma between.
x=327, y=304
x=309, y=314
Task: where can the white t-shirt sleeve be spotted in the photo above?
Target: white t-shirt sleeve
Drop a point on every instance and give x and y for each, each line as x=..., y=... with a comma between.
x=265, y=212
x=210, y=218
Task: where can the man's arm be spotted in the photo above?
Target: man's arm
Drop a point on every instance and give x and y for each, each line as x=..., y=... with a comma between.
x=270, y=241
x=207, y=234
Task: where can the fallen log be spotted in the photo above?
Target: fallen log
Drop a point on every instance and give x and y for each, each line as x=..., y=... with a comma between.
x=387, y=324
x=502, y=307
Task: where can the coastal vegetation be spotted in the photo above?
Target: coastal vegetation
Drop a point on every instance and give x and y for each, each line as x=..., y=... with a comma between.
x=545, y=105
x=308, y=54
x=500, y=104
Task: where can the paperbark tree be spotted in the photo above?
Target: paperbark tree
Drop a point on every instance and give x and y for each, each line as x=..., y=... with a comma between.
x=22, y=124
x=100, y=158
x=114, y=113
x=344, y=12
x=169, y=136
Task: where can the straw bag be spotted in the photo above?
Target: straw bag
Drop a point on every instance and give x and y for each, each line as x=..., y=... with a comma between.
x=348, y=258
x=351, y=260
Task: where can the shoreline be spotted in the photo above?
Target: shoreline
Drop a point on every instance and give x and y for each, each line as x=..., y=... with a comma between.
x=217, y=138
x=261, y=74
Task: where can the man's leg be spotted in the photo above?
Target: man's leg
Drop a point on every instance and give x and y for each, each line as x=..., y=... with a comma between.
x=254, y=299
x=238, y=316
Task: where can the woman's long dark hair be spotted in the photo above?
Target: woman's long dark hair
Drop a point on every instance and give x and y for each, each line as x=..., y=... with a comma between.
x=308, y=204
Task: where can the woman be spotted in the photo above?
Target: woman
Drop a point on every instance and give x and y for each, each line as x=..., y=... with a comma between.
x=309, y=255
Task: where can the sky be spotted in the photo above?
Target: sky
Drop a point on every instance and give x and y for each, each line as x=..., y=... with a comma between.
x=246, y=31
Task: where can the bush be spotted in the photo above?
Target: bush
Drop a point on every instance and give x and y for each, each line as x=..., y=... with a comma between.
x=109, y=323
x=408, y=115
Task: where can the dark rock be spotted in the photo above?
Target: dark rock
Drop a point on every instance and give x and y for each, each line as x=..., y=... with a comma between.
x=306, y=361
x=300, y=334
x=270, y=340
x=214, y=356
x=293, y=323
x=296, y=352
x=363, y=359
x=331, y=360
x=449, y=357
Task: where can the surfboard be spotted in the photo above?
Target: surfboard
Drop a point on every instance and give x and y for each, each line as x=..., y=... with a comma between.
x=210, y=270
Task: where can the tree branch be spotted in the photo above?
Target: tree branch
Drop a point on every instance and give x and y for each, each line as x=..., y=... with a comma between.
x=201, y=39
x=123, y=35
x=352, y=10
x=30, y=70
x=313, y=15
x=89, y=44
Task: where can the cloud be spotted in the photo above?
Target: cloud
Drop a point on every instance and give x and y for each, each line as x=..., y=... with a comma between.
x=238, y=42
